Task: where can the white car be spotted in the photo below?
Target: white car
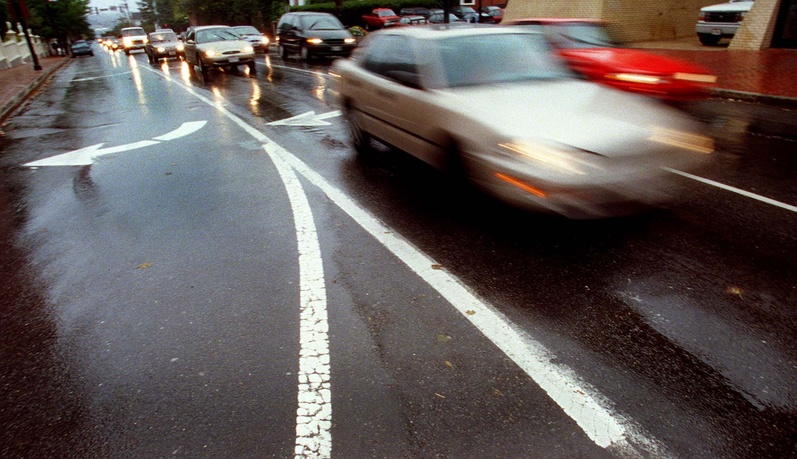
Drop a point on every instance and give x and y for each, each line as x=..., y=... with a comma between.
x=134, y=38
x=217, y=46
x=716, y=22
x=495, y=106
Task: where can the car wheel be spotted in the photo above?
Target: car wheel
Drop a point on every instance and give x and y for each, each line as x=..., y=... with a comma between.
x=708, y=39
x=283, y=52
x=359, y=138
x=252, y=68
x=127, y=52
x=304, y=53
x=203, y=70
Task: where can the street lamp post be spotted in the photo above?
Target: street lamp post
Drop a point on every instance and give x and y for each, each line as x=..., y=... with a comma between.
x=17, y=8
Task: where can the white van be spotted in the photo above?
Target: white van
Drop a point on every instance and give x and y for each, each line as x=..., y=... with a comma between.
x=716, y=22
x=134, y=38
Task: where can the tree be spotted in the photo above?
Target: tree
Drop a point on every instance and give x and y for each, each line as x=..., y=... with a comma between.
x=62, y=19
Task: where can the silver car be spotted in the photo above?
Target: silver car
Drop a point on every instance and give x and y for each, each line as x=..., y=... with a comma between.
x=217, y=46
x=494, y=106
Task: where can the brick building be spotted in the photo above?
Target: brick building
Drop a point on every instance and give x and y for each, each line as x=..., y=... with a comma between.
x=769, y=23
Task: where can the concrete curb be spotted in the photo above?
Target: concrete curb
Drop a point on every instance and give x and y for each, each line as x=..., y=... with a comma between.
x=9, y=107
x=765, y=99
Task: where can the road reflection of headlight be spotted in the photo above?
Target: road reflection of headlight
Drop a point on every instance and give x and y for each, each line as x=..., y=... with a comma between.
x=635, y=78
x=696, y=77
x=564, y=159
x=686, y=140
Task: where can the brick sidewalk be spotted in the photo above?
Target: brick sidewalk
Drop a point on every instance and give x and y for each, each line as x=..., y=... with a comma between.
x=18, y=82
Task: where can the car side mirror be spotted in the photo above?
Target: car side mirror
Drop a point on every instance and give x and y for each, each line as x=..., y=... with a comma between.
x=190, y=42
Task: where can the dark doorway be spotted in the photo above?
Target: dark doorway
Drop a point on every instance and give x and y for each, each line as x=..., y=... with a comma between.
x=786, y=28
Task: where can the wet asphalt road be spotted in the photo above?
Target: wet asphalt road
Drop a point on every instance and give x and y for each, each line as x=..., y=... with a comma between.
x=150, y=301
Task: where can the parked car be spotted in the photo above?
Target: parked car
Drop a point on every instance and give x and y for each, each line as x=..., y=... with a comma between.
x=589, y=50
x=134, y=38
x=217, y=46
x=491, y=15
x=413, y=20
x=259, y=41
x=162, y=44
x=380, y=18
x=81, y=48
x=716, y=22
x=437, y=17
x=312, y=34
x=493, y=105
x=466, y=13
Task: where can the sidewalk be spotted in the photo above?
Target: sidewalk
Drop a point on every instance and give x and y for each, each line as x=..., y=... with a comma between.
x=17, y=83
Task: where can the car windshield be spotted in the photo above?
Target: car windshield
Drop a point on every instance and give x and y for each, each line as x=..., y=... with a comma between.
x=498, y=58
x=207, y=36
x=133, y=32
x=467, y=9
x=384, y=13
x=322, y=23
x=246, y=30
x=575, y=35
x=162, y=37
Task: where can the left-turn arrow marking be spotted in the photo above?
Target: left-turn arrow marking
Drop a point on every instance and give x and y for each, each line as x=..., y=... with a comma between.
x=86, y=156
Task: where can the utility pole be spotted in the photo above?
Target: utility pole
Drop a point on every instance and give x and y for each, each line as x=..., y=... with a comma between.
x=18, y=9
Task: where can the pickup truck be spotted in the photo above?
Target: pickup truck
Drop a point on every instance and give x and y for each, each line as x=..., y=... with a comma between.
x=379, y=18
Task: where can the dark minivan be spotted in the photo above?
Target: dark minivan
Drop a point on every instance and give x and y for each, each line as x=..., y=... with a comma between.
x=311, y=34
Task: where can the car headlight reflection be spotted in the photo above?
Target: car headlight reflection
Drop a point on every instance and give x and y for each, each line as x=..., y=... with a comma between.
x=696, y=77
x=562, y=158
x=686, y=140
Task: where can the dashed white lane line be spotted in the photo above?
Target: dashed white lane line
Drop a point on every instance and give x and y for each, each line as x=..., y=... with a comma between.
x=734, y=190
x=592, y=412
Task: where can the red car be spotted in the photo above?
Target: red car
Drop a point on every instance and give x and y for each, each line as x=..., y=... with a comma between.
x=379, y=18
x=588, y=49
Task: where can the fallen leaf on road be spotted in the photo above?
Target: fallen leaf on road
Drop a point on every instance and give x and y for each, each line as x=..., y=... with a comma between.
x=498, y=393
x=443, y=338
x=144, y=265
x=449, y=364
x=437, y=266
x=441, y=396
x=470, y=312
x=732, y=290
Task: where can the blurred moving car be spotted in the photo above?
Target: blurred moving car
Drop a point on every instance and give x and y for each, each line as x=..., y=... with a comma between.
x=217, y=46
x=134, y=38
x=258, y=40
x=716, y=22
x=81, y=48
x=589, y=50
x=491, y=15
x=493, y=105
x=162, y=44
x=311, y=34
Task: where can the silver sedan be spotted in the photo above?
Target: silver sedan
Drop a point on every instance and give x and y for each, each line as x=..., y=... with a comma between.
x=495, y=106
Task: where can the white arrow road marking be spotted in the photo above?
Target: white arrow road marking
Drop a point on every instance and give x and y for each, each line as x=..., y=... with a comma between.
x=182, y=131
x=86, y=156
x=306, y=119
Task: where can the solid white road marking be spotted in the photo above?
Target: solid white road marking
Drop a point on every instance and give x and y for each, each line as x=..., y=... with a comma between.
x=734, y=190
x=590, y=410
x=86, y=156
x=307, y=119
x=101, y=77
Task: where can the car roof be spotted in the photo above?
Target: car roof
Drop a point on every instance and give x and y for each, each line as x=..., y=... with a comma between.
x=196, y=29
x=531, y=21
x=308, y=13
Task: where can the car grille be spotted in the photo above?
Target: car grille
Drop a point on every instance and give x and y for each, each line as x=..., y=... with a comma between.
x=723, y=17
x=231, y=52
x=334, y=41
x=138, y=42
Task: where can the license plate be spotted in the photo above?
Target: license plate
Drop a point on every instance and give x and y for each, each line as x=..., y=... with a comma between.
x=172, y=53
x=233, y=59
x=716, y=31
x=337, y=48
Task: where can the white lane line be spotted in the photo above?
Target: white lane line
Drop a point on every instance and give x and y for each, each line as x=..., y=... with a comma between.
x=309, y=72
x=103, y=76
x=314, y=399
x=734, y=190
x=182, y=131
x=591, y=411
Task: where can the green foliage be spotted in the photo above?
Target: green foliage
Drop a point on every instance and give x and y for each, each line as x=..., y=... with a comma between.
x=64, y=19
x=351, y=12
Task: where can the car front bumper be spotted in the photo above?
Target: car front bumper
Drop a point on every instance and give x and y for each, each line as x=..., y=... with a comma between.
x=331, y=49
x=719, y=29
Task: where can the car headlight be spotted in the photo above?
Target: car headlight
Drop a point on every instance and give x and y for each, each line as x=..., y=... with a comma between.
x=180, y=47
x=248, y=49
x=560, y=157
x=350, y=40
x=127, y=41
x=264, y=40
x=635, y=78
x=681, y=139
x=161, y=49
x=210, y=52
x=315, y=41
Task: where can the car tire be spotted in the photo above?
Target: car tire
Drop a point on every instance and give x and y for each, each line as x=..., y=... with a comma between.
x=304, y=53
x=283, y=52
x=252, y=68
x=360, y=139
x=127, y=52
x=203, y=70
x=708, y=39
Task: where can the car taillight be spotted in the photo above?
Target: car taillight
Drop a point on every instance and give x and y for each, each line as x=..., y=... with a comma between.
x=701, y=16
